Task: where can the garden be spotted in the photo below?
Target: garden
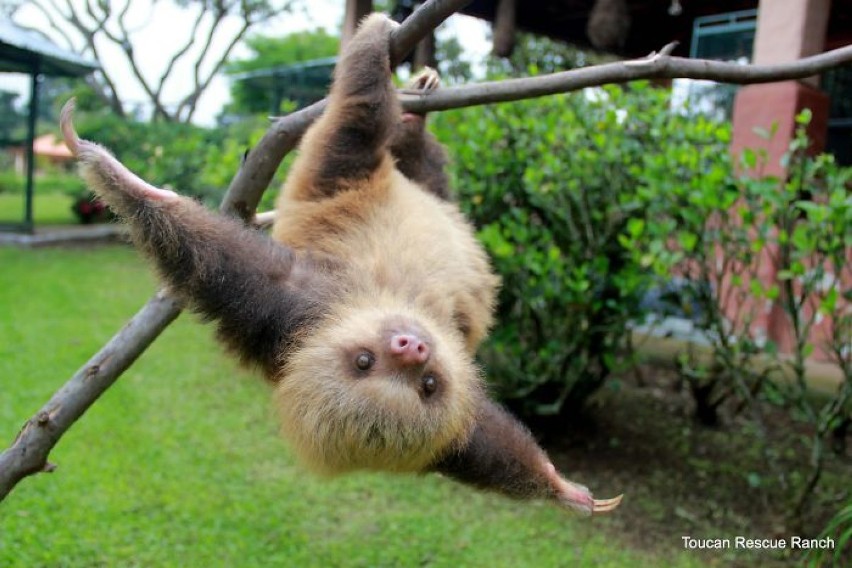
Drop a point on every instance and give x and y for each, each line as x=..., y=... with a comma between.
x=616, y=219
x=180, y=460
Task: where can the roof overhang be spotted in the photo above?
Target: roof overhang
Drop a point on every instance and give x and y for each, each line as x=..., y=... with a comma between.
x=27, y=51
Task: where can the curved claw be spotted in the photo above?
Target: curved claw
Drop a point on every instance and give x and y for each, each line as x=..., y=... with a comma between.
x=99, y=162
x=606, y=505
x=426, y=81
x=578, y=497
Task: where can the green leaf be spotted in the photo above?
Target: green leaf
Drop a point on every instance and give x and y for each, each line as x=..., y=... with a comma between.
x=773, y=292
x=829, y=301
x=635, y=227
x=804, y=117
x=688, y=241
x=749, y=158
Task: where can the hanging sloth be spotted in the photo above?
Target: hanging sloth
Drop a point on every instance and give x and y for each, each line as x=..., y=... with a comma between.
x=366, y=307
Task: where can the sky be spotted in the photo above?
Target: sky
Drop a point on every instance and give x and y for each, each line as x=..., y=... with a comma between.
x=162, y=27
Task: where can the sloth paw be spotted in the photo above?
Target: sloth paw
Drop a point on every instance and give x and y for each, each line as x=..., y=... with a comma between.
x=426, y=81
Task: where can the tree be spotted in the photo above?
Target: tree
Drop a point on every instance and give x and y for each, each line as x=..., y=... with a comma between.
x=273, y=54
x=92, y=28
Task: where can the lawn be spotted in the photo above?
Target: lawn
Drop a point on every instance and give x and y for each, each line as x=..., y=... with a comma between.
x=179, y=464
x=48, y=209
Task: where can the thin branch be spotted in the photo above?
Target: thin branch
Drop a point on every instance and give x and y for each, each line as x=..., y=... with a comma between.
x=253, y=178
x=181, y=52
x=219, y=14
x=190, y=101
x=122, y=40
x=49, y=17
x=88, y=34
x=658, y=66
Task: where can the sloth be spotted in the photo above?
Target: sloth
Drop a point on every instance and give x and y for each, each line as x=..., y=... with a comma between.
x=366, y=307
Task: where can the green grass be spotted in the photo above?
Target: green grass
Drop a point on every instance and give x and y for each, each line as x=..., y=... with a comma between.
x=179, y=464
x=48, y=209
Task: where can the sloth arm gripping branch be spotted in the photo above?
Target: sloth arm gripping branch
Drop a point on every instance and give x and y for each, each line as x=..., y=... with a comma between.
x=259, y=292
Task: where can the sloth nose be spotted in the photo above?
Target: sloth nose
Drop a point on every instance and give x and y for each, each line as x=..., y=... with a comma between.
x=409, y=349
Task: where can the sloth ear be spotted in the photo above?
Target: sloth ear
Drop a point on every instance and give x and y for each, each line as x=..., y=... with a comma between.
x=259, y=292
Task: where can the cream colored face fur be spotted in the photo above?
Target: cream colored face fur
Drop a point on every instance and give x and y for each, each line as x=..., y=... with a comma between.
x=337, y=422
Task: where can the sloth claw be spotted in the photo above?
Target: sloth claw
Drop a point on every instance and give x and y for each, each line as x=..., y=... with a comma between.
x=606, y=505
x=99, y=161
x=426, y=81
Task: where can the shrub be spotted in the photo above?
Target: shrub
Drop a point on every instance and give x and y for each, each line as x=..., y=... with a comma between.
x=723, y=230
x=552, y=183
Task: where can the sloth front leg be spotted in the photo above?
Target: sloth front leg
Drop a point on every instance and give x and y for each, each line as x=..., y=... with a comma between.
x=347, y=147
x=419, y=156
x=259, y=292
x=501, y=455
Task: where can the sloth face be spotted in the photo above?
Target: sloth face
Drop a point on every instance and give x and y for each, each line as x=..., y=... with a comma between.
x=377, y=390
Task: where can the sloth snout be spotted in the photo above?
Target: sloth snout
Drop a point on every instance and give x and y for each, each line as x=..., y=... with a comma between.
x=409, y=349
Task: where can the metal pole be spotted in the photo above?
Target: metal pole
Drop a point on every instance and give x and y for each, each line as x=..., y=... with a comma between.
x=28, y=203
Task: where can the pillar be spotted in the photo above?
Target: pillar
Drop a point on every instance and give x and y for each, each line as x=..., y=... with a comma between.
x=787, y=30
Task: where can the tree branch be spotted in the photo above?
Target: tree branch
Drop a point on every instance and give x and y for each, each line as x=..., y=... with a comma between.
x=250, y=182
x=190, y=102
x=656, y=66
x=28, y=454
x=122, y=40
x=181, y=52
x=109, y=94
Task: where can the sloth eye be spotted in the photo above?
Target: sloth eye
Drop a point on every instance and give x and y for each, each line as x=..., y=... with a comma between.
x=364, y=361
x=430, y=384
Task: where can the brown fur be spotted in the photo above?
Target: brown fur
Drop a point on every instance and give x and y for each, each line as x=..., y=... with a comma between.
x=419, y=156
x=408, y=253
x=365, y=256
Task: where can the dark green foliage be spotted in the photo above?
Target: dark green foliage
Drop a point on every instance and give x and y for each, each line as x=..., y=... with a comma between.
x=552, y=183
x=536, y=55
